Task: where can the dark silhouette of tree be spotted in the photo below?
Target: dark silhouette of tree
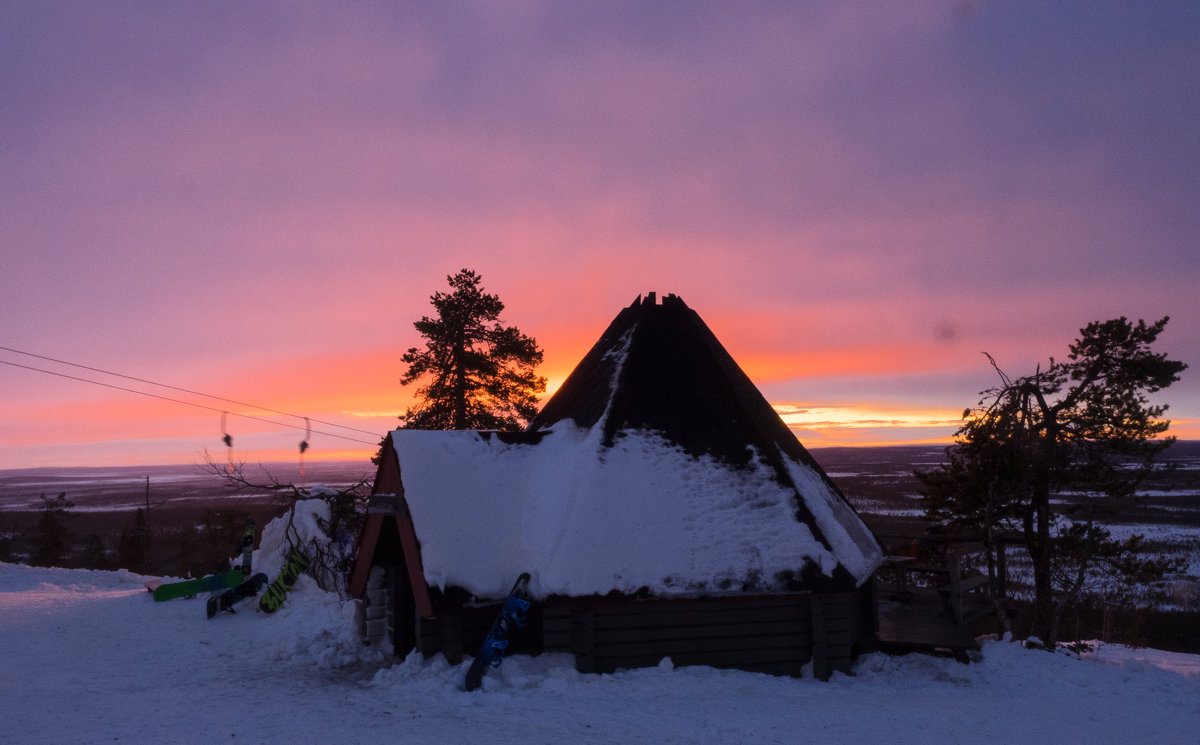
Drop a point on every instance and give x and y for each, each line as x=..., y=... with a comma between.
x=7, y=539
x=479, y=373
x=220, y=534
x=133, y=547
x=53, y=539
x=92, y=553
x=1084, y=425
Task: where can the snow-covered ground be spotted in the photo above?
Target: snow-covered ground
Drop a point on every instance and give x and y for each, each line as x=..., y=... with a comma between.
x=88, y=657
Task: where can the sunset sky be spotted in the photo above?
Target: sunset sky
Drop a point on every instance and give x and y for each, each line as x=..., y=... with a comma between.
x=256, y=200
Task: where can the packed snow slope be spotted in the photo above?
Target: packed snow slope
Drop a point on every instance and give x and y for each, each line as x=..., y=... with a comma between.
x=89, y=657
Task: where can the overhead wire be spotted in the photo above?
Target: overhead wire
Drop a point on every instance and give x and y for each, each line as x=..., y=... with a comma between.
x=169, y=387
x=306, y=429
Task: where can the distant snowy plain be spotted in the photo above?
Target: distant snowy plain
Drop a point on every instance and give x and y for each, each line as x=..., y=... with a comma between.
x=89, y=657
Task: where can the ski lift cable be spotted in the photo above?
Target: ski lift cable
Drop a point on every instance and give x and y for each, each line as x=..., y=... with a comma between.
x=174, y=388
x=187, y=403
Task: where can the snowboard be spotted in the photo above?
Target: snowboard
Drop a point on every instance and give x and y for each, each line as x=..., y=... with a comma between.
x=231, y=597
x=491, y=652
x=190, y=587
x=296, y=563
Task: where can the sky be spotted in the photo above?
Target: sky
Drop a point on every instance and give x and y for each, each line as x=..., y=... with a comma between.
x=255, y=201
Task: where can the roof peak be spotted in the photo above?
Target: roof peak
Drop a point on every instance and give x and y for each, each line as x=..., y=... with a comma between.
x=670, y=300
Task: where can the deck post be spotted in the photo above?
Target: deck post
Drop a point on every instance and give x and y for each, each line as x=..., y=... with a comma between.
x=820, y=640
x=452, y=637
x=583, y=640
x=955, y=588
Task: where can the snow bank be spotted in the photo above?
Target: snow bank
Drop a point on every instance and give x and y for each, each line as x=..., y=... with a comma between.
x=298, y=527
x=586, y=519
x=1129, y=658
x=318, y=628
x=19, y=578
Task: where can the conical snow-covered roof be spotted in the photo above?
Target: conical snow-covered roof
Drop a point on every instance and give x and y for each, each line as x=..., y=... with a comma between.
x=656, y=466
x=659, y=368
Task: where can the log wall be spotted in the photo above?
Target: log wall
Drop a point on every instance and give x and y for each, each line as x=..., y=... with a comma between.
x=459, y=632
x=778, y=634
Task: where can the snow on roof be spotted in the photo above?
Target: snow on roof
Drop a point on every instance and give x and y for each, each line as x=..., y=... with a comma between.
x=585, y=518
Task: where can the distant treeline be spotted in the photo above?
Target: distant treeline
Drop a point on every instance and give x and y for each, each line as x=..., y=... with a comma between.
x=152, y=542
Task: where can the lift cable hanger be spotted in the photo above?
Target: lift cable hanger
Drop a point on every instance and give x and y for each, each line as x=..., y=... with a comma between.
x=228, y=440
x=307, y=429
x=170, y=387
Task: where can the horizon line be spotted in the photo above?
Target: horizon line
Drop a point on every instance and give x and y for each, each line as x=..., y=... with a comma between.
x=292, y=465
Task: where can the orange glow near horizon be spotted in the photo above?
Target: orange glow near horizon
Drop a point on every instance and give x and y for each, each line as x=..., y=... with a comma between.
x=868, y=426
x=866, y=417
x=1185, y=429
x=361, y=392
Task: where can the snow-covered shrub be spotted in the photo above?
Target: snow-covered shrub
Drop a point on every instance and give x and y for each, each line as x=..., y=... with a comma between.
x=324, y=527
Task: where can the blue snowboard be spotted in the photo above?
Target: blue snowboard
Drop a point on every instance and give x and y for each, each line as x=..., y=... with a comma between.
x=491, y=652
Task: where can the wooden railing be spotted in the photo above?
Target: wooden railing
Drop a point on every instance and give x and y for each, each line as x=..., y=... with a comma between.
x=965, y=596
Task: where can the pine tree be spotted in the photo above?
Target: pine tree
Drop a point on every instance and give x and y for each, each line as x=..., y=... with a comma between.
x=92, y=553
x=133, y=547
x=1084, y=425
x=479, y=372
x=52, y=542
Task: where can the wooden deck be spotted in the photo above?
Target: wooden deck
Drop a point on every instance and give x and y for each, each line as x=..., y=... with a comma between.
x=915, y=619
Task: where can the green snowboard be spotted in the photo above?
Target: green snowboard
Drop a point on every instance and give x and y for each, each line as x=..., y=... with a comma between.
x=189, y=587
x=296, y=563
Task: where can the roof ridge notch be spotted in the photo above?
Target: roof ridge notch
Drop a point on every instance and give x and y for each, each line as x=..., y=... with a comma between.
x=652, y=299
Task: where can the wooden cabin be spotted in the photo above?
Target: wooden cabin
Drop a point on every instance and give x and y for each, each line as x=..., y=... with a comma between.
x=660, y=504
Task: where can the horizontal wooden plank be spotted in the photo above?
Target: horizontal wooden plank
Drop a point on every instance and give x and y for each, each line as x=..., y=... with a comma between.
x=657, y=609
x=838, y=625
x=656, y=605
x=927, y=569
x=840, y=606
x=839, y=614
x=556, y=642
x=735, y=659
x=699, y=617
x=717, y=631
x=840, y=642
x=671, y=647
x=971, y=583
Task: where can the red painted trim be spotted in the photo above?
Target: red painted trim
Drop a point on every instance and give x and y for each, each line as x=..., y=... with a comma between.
x=412, y=559
x=388, y=481
x=367, y=542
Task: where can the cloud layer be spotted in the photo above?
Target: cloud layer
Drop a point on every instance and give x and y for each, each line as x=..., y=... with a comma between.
x=257, y=201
